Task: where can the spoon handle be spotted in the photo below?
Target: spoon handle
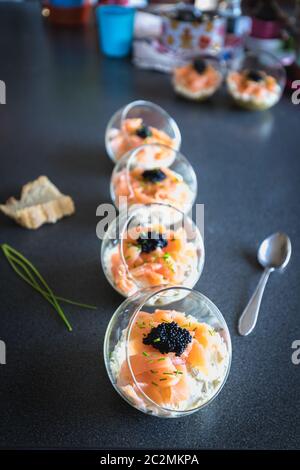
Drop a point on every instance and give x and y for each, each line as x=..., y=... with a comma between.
x=249, y=316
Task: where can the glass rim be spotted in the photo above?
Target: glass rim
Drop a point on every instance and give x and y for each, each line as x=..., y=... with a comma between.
x=127, y=108
x=211, y=56
x=136, y=207
x=261, y=53
x=129, y=156
x=132, y=213
x=118, y=114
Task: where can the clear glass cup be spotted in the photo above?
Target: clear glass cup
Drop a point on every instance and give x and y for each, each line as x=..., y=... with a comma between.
x=151, y=245
x=154, y=173
x=203, y=85
x=119, y=138
x=125, y=357
x=257, y=81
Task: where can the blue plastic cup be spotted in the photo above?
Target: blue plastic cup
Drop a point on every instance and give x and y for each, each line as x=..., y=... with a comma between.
x=115, y=26
x=67, y=3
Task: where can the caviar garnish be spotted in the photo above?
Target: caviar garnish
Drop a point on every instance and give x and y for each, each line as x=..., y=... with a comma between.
x=254, y=76
x=154, y=176
x=172, y=338
x=199, y=65
x=150, y=241
x=143, y=132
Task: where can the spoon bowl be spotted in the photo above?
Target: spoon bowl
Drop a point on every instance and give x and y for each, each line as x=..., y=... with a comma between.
x=275, y=251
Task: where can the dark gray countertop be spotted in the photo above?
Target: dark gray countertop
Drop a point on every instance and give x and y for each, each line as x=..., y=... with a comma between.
x=54, y=391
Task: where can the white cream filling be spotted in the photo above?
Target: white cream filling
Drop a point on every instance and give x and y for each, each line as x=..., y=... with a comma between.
x=199, y=94
x=195, y=95
x=268, y=99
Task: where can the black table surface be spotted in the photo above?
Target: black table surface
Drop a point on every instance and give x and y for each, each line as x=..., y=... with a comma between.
x=54, y=391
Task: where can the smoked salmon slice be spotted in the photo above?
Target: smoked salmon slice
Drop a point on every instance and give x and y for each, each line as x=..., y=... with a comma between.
x=128, y=137
x=167, y=265
x=197, y=357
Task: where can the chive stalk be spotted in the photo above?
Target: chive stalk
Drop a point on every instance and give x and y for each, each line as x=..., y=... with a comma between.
x=28, y=272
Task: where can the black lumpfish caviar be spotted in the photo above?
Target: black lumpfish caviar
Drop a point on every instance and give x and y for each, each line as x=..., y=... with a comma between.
x=143, y=132
x=168, y=337
x=199, y=65
x=150, y=241
x=254, y=76
x=154, y=176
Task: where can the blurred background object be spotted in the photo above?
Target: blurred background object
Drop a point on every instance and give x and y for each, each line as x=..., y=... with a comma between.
x=238, y=26
x=205, y=5
x=115, y=26
x=68, y=12
x=167, y=32
x=272, y=28
x=187, y=28
x=293, y=70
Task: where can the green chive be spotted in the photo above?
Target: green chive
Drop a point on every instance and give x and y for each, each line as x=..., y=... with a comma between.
x=145, y=354
x=162, y=379
x=154, y=383
x=156, y=340
x=32, y=276
x=161, y=359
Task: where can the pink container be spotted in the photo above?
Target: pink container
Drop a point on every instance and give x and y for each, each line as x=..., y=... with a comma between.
x=265, y=29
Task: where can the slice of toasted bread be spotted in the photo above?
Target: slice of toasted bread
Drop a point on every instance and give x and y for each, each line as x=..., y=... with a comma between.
x=41, y=202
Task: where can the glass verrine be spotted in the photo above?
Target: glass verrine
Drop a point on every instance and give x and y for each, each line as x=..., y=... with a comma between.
x=154, y=173
x=257, y=81
x=187, y=375
x=151, y=245
x=140, y=122
x=198, y=78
